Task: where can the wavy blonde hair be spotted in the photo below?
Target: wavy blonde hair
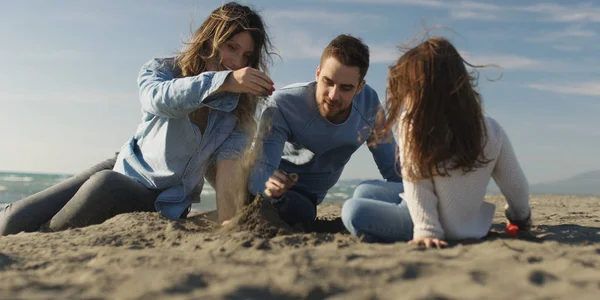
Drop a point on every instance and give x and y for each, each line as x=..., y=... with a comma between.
x=220, y=26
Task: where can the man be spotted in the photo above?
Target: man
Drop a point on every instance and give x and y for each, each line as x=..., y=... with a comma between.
x=312, y=129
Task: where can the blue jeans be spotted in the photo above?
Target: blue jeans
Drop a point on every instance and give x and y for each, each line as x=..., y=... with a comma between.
x=376, y=213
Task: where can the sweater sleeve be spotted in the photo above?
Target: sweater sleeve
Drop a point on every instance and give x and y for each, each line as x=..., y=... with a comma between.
x=384, y=154
x=510, y=178
x=385, y=151
x=422, y=203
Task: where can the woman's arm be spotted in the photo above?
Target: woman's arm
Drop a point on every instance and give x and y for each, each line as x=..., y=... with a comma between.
x=164, y=95
x=422, y=204
x=511, y=180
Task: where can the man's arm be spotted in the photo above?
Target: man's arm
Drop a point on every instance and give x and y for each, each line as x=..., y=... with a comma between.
x=387, y=159
x=385, y=151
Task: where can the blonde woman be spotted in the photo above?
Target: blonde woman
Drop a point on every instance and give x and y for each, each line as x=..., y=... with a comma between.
x=198, y=112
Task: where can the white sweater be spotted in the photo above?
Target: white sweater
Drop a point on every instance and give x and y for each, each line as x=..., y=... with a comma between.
x=452, y=207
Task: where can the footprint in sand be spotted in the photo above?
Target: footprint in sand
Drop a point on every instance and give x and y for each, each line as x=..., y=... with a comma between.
x=541, y=278
x=5, y=260
x=479, y=277
x=411, y=271
x=257, y=293
x=188, y=284
x=534, y=259
x=435, y=297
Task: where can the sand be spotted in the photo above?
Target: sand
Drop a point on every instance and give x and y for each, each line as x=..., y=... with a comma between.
x=144, y=256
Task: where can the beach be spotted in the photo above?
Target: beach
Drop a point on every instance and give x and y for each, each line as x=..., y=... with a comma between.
x=145, y=256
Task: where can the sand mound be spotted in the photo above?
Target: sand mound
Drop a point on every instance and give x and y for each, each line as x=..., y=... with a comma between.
x=261, y=218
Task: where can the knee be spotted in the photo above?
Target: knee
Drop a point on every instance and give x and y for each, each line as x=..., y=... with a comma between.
x=366, y=189
x=102, y=186
x=296, y=209
x=305, y=211
x=15, y=219
x=351, y=214
x=6, y=221
x=104, y=178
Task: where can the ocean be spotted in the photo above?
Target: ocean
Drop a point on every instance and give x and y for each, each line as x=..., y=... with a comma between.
x=15, y=186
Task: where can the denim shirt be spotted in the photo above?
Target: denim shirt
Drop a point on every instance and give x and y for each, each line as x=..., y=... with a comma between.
x=168, y=152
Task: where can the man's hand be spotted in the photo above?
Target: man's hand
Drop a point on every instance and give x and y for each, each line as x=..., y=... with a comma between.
x=279, y=182
x=428, y=242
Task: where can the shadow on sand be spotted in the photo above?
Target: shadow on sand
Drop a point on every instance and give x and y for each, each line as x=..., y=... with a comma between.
x=326, y=226
x=564, y=233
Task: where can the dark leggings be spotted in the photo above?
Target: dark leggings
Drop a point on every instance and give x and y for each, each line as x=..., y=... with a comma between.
x=90, y=197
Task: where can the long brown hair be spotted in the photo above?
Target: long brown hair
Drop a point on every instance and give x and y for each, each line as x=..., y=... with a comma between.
x=221, y=25
x=433, y=100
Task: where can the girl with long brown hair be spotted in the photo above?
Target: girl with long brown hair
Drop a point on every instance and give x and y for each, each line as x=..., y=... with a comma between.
x=198, y=117
x=449, y=151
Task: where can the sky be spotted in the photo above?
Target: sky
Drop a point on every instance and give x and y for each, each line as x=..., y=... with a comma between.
x=68, y=93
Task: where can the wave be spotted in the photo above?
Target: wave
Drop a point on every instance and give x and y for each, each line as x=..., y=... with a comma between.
x=207, y=192
x=15, y=178
x=341, y=195
x=337, y=195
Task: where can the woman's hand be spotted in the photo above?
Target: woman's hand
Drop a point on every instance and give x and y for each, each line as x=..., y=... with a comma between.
x=428, y=242
x=250, y=81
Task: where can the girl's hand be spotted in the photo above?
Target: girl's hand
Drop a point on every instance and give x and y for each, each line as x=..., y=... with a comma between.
x=250, y=81
x=428, y=242
x=522, y=224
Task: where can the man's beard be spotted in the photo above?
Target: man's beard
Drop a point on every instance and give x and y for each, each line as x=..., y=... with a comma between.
x=336, y=110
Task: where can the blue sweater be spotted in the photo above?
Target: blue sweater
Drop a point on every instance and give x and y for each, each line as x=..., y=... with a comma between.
x=302, y=141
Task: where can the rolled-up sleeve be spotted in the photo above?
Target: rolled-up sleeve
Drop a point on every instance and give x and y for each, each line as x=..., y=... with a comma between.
x=162, y=94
